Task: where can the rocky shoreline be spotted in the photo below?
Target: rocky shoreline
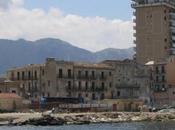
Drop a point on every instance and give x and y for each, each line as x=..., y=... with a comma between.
x=38, y=119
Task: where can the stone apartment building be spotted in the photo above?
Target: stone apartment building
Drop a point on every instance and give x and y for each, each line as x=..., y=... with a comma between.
x=29, y=79
x=131, y=80
x=158, y=83
x=92, y=82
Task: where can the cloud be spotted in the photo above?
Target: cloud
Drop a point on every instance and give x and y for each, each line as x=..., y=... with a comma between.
x=6, y=4
x=92, y=33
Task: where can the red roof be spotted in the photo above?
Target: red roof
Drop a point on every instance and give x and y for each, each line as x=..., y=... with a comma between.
x=9, y=95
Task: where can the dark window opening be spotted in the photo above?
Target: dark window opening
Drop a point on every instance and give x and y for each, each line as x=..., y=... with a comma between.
x=29, y=75
x=118, y=93
x=18, y=75
x=60, y=75
x=35, y=75
x=93, y=96
x=86, y=74
x=79, y=85
x=79, y=74
x=23, y=75
x=69, y=73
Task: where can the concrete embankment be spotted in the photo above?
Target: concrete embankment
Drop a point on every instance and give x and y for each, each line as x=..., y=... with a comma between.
x=80, y=118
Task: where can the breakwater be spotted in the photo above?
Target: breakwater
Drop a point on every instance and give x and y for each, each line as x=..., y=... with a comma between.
x=39, y=119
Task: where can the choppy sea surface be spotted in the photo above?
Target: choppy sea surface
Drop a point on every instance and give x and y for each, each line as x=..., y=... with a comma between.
x=116, y=126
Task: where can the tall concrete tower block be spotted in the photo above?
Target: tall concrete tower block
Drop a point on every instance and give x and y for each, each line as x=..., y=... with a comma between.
x=154, y=29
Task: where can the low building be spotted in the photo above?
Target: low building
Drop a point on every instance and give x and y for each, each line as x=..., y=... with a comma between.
x=10, y=102
x=129, y=105
x=8, y=86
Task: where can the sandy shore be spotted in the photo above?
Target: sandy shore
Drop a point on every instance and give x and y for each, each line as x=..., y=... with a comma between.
x=81, y=118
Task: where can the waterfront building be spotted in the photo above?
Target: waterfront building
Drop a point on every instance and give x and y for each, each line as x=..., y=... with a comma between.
x=29, y=78
x=155, y=30
x=131, y=80
x=91, y=82
x=124, y=81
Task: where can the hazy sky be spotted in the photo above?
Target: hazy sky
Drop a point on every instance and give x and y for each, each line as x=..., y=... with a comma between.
x=111, y=9
x=89, y=24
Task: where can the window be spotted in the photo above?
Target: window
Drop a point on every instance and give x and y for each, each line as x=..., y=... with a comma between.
x=163, y=69
x=102, y=75
x=35, y=75
x=86, y=74
x=12, y=75
x=60, y=75
x=79, y=95
x=93, y=96
x=87, y=95
x=118, y=93
x=163, y=78
x=69, y=73
x=165, y=18
x=48, y=94
x=157, y=78
x=36, y=88
x=69, y=84
x=79, y=85
x=86, y=85
x=79, y=73
x=93, y=74
x=13, y=91
x=110, y=84
x=43, y=72
x=93, y=86
x=18, y=75
x=110, y=73
x=157, y=69
x=102, y=96
x=29, y=75
x=23, y=75
x=102, y=85
x=48, y=82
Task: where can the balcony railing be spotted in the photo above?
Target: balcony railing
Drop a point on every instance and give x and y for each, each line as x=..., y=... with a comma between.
x=136, y=3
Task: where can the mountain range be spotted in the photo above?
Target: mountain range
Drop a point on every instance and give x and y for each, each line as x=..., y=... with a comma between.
x=14, y=53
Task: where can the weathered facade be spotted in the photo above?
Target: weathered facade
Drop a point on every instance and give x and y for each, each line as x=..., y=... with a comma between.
x=30, y=79
x=131, y=80
x=92, y=82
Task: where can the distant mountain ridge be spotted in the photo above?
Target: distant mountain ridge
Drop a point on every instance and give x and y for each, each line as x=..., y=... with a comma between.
x=20, y=52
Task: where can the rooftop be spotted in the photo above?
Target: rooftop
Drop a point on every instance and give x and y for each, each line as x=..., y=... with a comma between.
x=140, y=3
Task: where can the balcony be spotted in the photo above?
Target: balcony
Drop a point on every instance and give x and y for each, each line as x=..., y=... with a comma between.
x=137, y=3
x=87, y=77
x=134, y=20
x=134, y=13
x=134, y=34
x=65, y=77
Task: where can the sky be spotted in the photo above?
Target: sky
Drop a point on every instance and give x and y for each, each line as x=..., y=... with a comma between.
x=90, y=24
